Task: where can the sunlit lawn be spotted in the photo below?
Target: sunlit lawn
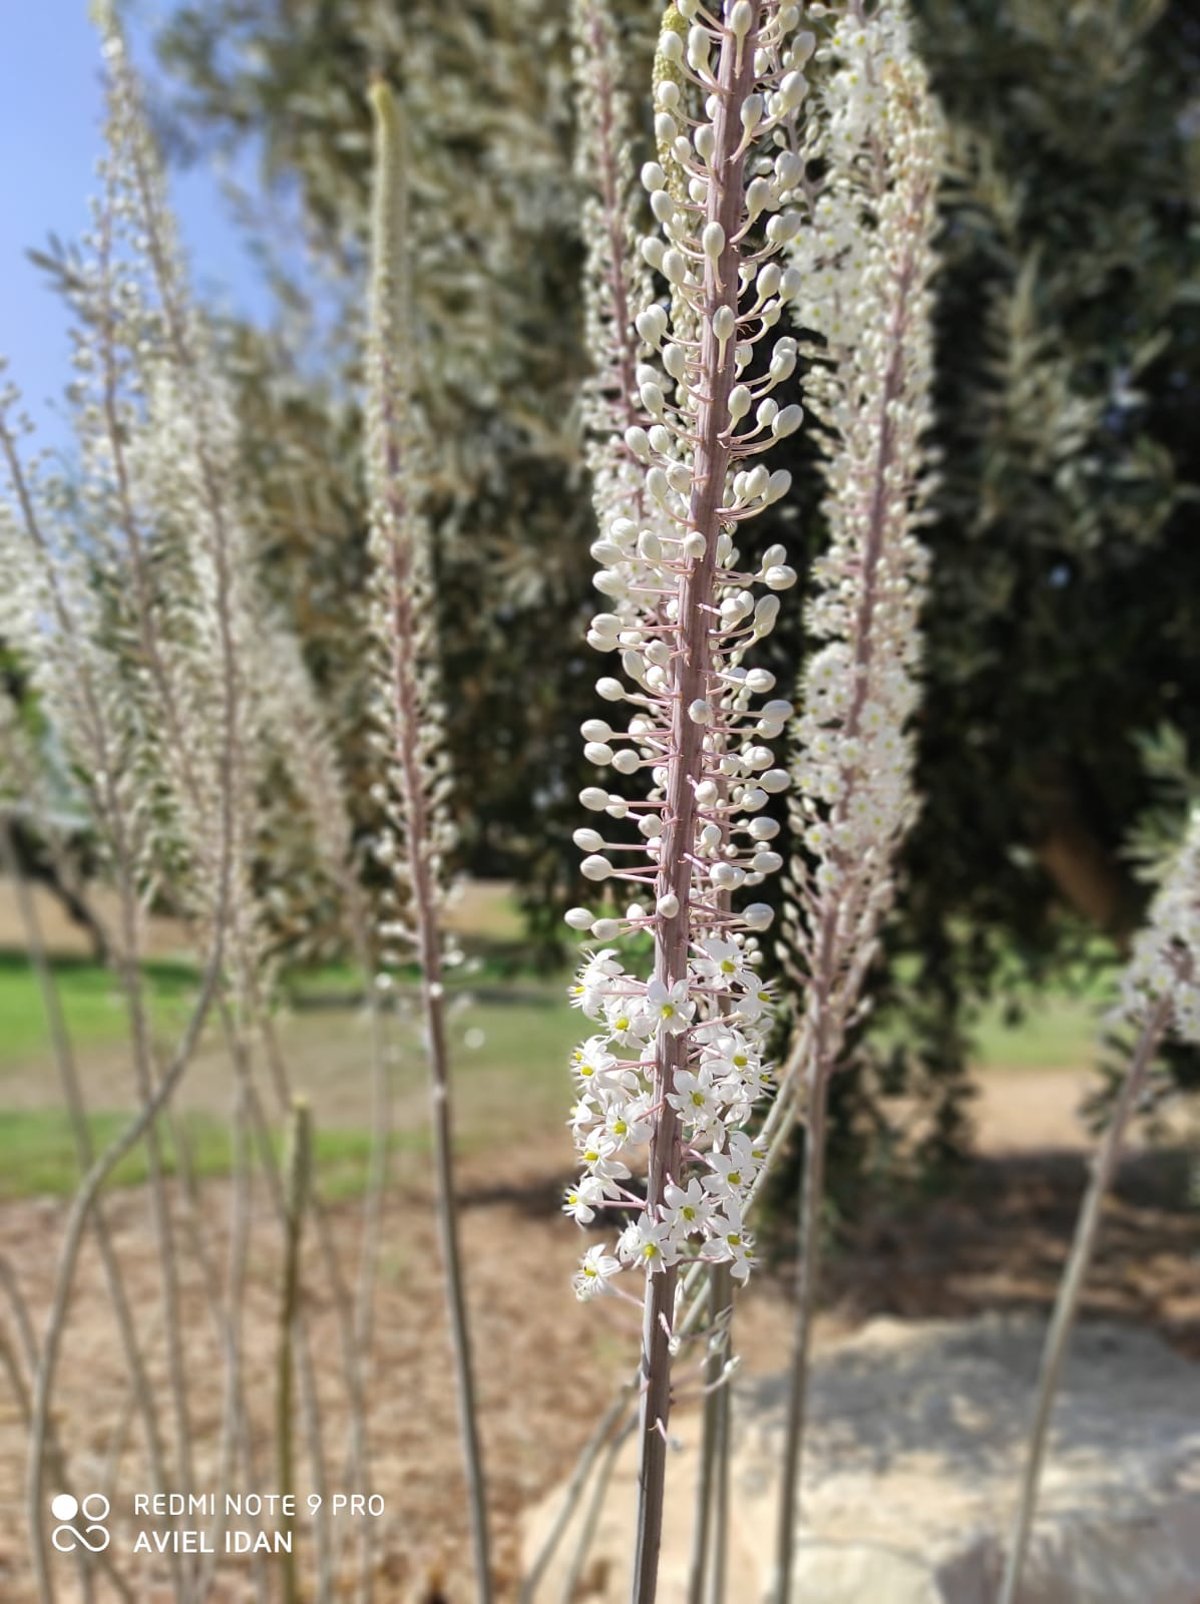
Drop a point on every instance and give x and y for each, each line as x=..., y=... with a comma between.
x=510, y=1033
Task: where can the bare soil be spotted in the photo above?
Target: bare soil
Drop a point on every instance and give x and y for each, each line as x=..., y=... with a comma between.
x=546, y=1366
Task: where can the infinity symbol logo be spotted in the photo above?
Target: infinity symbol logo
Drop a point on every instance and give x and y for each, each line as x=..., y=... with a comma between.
x=67, y=1537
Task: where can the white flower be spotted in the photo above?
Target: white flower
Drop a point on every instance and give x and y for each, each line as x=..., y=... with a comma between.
x=688, y=1209
x=595, y=1269
x=628, y=1021
x=724, y=963
x=594, y=982
x=599, y=1153
x=734, y=1169
x=669, y=1007
x=694, y=1098
x=647, y=1242
x=580, y=1200
x=729, y=1241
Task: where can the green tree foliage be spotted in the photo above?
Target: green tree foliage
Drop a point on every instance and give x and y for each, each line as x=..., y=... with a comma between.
x=1066, y=586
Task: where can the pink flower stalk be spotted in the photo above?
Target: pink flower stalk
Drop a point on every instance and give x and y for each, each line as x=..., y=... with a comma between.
x=677, y=1060
x=409, y=710
x=866, y=263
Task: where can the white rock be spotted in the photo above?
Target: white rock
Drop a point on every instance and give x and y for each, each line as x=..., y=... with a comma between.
x=911, y=1471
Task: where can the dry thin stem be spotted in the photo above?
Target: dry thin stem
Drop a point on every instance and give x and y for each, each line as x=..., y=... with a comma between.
x=78, y=1218
x=407, y=637
x=1070, y=1290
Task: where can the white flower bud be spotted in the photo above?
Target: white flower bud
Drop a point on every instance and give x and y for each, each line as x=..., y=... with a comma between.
x=593, y=798
x=793, y=90
x=606, y=929
x=724, y=323
x=599, y=753
x=767, y=282
x=665, y=127
x=787, y=421
x=667, y=906
x=760, y=681
x=610, y=690
x=578, y=918
x=657, y=487
x=752, y=111
x=712, y=240
x=779, y=578
x=674, y=267
x=638, y=442
x=766, y=862
x=779, y=485
x=694, y=545
x=765, y=614
x=652, y=325
x=767, y=412
x=758, y=196
x=698, y=47
x=653, y=177
x=706, y=793
x=740, y=18
x=674, y=359
x=652, y=398
x=626, y=761
x=653, y=251
x=588, y=840
x=700, y=712
x=758, y=915
x=595, y=729
x=739, y=402
x=596, y=868
x=662, y=205
x=755, y=483
x=774, y=781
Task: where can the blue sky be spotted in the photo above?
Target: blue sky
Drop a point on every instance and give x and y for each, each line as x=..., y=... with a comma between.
x=50, y=118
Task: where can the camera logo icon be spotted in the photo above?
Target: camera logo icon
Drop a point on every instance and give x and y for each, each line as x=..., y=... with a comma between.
x=66, y=1536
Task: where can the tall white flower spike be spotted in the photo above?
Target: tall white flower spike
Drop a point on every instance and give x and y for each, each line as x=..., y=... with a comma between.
x=679, y=1054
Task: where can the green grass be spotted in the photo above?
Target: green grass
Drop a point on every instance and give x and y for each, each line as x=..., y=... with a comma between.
x=37, y=1153
x=1055, y=1031
x=91, y=999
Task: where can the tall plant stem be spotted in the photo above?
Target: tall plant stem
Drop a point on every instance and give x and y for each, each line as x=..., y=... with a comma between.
x=78, y=1217
x=68, y=1071
x=705, y=1571
x=55, y=1456
x=725, y=204
x=812, y=1197
x=1070, y=1290
x=775, y=1134
x=721, y=1429
x=298, y=1173
x=405, y=632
